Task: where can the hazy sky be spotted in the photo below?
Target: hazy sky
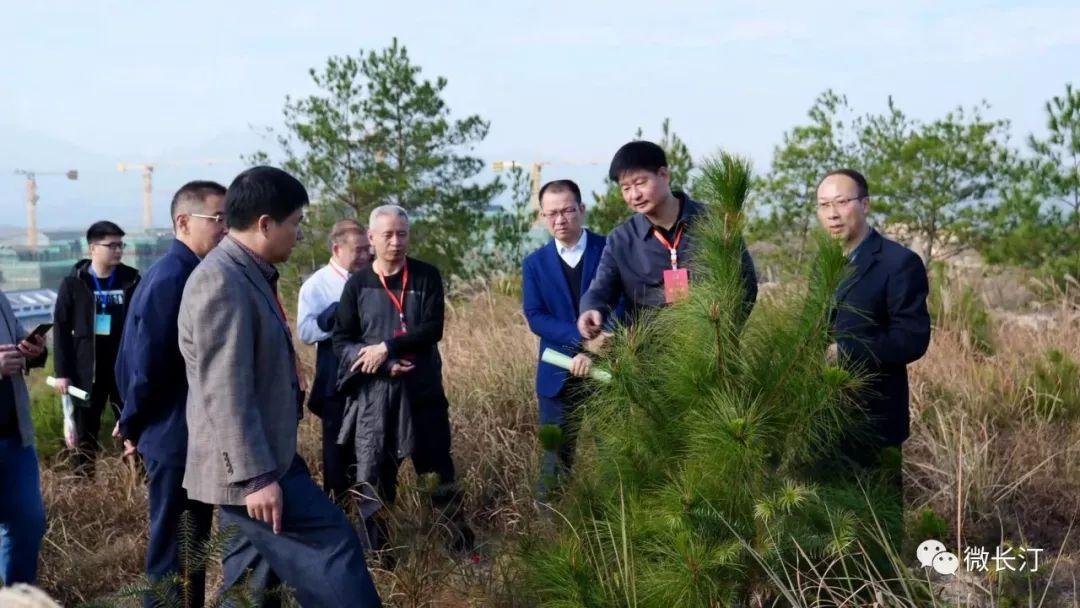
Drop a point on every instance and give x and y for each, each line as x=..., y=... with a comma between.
x=94, y=83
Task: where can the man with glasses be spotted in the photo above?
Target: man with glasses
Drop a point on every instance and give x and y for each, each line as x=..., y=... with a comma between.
x=554, y=278
x=880, y=325
x=91, y=306
x=152, y=383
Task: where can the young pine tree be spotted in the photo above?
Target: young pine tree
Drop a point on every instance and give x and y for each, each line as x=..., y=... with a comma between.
x=707, y=462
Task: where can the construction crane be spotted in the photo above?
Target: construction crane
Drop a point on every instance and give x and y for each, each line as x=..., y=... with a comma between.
x=535, y=170
x=32, y=199
x=148, y=181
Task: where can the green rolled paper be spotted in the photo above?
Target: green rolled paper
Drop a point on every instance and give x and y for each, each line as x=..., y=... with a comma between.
x=558, y=359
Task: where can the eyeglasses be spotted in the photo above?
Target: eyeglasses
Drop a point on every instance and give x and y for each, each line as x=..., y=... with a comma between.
x=217, y=219
x=839, y=202
x=565, y=213
x=111, y=246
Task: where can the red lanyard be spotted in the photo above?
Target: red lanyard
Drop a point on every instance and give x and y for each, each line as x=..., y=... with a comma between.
x=343, y=276
x=399, y=302
x=672, y=248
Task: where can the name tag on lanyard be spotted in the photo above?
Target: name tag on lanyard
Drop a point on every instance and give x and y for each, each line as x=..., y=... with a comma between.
x=399, y=304
x=102, y=320
x=676, y=280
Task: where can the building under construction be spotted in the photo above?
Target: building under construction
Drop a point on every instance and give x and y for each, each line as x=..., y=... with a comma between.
x=43, y=267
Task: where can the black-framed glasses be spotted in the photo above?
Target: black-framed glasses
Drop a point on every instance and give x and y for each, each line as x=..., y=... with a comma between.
x=111, y=246
x=217, y=219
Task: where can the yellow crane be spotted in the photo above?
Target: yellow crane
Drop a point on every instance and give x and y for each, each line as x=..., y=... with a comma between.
x=148, y=181
x=32, y=199
x=535, y=170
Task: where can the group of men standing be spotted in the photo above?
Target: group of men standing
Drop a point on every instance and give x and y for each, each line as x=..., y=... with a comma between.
x=200, y=354
x=579, y=281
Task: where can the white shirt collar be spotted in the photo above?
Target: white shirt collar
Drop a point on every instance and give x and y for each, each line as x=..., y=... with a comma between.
x=338, y=267
x=579, y=246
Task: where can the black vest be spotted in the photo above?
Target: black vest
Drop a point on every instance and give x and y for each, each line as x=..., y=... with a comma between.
x=573, y=279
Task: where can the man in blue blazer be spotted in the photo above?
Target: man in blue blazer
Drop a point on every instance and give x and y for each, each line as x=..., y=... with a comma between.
x=152, y=382
x=554, y=278
x=880, y=322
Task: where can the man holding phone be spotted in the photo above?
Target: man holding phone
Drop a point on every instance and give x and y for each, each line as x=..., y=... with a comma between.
x=22, y=511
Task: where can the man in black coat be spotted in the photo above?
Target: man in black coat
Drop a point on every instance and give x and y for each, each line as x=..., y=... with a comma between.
x=91, y=307
x=880, y=323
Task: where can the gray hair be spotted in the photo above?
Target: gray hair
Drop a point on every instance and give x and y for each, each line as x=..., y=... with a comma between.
x=382, y=210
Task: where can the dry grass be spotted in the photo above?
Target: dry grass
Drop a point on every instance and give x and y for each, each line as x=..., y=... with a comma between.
x=975, y=433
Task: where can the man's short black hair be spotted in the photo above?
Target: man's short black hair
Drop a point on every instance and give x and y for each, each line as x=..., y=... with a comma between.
x=194, y=192
x=559, y=185
x=863, y=189
x=635, y=156
x=262, y=191
x=101, y=230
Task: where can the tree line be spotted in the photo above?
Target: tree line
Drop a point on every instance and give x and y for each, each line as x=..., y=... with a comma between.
x=377, y=131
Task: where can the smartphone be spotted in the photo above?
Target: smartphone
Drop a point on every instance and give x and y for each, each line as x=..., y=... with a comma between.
x=40, y=330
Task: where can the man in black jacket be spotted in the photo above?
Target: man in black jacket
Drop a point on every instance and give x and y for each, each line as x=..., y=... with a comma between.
x=880, y=325
x=389, y=324
x=91, y=306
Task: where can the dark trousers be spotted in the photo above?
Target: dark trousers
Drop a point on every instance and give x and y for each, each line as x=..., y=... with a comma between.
x=559, y=412
x=88, y=421
x=339, y=461
x=317, y=554
x=168, y=503
x=430, y=455
x=22, y=512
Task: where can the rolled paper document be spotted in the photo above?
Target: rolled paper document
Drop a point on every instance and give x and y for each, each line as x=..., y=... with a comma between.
x=558, y=359
x=78, y=393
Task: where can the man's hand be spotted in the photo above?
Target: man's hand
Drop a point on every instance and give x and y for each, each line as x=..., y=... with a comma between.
x=370, y=358
x=129, y=446
x=12, y=361
x=32, y=348
x=589, y=324
x=580, y=365
x=266, y=505
x=597, y=345
x=400, y=368
x=832, y=354
x=62, y=385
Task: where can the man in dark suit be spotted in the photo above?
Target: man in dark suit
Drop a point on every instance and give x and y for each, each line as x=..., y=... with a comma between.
x=153, y=385
x=881, y=323
x=554, y=278
x=245, y=402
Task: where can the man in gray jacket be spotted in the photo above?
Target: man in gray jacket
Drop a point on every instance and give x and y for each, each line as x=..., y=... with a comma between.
x=244, y=403
x=22, y=513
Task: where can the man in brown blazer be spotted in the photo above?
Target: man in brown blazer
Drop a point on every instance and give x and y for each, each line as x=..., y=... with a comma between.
x=244, y=403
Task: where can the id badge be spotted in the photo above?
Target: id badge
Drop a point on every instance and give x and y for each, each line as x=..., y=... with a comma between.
x=676, y=285
x=102, y=324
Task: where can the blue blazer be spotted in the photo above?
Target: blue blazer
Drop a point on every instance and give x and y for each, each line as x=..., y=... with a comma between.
x=549, y=309
x=881, y=325
x=150, y=372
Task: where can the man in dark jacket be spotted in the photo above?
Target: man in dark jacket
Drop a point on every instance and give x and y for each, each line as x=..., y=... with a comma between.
x=152, y=383
x=881, y=323
x=646, y=258
x=91, y=307
x=389, y=324
x=316, y=315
